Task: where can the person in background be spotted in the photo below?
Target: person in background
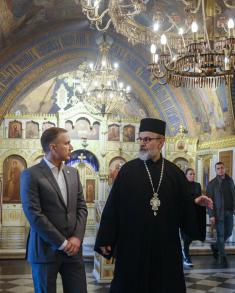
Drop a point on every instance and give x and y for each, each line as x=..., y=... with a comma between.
x=221, y=190
x=194, y=191
x=53, y=202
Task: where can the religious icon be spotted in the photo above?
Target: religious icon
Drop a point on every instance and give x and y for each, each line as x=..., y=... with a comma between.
x=15, y=129
x=114, y=168
x=90, y=190
x=47, y=125
x=182, y=163
x=32, y=130
x=113, y=132
x=71, y=130
x=82, y=128
x=206, y=171
x=129, y=133
x=181, y=145
x=94, y=133
x=68, y=125
x=12, y=168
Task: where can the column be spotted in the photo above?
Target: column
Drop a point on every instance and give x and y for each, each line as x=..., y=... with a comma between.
x=200, y=170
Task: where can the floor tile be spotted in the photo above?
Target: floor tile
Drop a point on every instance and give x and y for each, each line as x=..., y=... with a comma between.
x=205, y=277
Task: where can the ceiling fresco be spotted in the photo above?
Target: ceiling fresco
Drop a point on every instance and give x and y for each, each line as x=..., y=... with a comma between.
x=31, y=60
x=43, y=100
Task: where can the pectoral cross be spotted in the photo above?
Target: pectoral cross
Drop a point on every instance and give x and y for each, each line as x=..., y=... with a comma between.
x=155, y=203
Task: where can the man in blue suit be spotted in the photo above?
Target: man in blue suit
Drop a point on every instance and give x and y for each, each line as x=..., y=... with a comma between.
x=53, y=202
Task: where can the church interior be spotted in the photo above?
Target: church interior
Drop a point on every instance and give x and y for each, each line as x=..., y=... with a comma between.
x=96, y=68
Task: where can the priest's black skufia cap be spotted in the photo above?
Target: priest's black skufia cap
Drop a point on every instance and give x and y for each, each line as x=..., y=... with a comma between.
x=153, y=125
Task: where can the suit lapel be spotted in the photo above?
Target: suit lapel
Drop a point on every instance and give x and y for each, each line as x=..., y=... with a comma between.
x=50, y=177
x=68, y=180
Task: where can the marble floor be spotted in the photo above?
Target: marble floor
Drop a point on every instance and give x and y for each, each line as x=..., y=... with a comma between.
x=205, y=277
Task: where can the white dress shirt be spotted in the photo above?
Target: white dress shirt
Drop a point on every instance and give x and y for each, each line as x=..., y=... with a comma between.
x=59, y=177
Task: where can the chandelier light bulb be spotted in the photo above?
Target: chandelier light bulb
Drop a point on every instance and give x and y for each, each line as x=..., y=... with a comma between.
x=80, y=90
x=91, y=65
x=153, y=49
x=181, y=31
x=128, y=89
x=116, y=65
x=96, y=3
x=121, y=85
x=163, y=39
x=156, y=58
x=103, y=63
x=194, y=27
x=230, y=23
x=156, y=26
x=109, y=82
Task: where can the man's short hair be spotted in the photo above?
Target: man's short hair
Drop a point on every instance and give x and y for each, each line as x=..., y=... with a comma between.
x=50, y=135
x=219, y=163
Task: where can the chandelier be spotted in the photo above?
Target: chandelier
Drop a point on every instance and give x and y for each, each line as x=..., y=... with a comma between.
x=184, y=53
x=97, y=85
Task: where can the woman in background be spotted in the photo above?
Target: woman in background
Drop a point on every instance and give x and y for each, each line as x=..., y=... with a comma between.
x=194, y=191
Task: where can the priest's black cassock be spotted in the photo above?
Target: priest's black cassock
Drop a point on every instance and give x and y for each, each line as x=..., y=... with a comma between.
x=146, y=247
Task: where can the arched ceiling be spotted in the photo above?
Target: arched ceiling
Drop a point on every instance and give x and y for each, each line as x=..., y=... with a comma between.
x=41, y=41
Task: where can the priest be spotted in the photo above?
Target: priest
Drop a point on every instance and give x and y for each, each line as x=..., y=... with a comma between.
x=140, y=223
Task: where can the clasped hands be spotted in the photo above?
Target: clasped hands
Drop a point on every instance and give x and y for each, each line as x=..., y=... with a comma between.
x=73, y=245
x=204, y=200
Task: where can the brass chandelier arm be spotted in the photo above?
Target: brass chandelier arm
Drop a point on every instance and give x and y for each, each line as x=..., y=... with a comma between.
x=189, y=2
x=159, y=76
x=170, y=28
x=163, y=82
x=136, y=9
x=204, y=24
x=154, y=69
x=186, y=2
x=197, y=7
x=160, y=79
x=228, y=5
x=96, y=18
x=99, y=28
x=170, y=69
x=173, y=24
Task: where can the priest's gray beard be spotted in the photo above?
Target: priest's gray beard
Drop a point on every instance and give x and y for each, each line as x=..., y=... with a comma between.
x=144, y=155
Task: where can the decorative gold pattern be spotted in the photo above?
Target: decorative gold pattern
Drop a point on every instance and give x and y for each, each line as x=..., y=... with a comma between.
x=225, y=142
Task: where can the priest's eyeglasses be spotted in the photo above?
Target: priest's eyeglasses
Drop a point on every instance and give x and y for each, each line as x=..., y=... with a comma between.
x=146, y=139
